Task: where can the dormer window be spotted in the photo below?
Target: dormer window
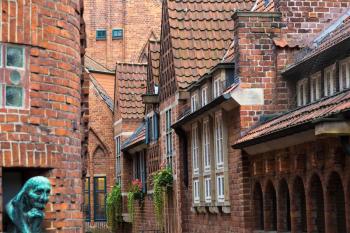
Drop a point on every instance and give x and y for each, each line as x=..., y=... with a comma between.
x=204, y=95
x=329, y=87
x=194, y=102
x=315, y=86
x=302, y=92
x=217, y=88
x=344, y=74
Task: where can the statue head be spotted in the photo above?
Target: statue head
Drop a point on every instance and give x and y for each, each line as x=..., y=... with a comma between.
x=26, y=209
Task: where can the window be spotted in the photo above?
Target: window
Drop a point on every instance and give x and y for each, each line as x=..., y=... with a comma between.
x=87, y=199
x=196, y=196
x=219, y=155
x=302, y=92
x=220, y=188
x=195, y=149
x=117, y=34
x=206, y=141
x=14, y=57
x=329, y=88
x=207, y=189
x=100, y=198
x=315, y=87
x=217, y=88
x=169, y=135
x=204, y=96
x=344, y=73
x=118, y=160
x=194, y=102
x=139, y=168
x=101, y=34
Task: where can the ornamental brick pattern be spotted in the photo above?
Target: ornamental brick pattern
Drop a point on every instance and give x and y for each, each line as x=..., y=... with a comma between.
x=44, y=137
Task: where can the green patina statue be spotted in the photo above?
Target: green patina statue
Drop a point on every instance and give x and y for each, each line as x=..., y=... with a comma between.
x=26, y=209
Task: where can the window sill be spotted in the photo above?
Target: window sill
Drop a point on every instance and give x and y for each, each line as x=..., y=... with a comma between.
x=210, y=209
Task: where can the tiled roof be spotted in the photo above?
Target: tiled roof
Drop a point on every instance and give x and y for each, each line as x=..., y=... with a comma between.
x=154, y=53
x=201, y=31
x=307, y=114
x=137, y=136
x=93, y=65
x=102, y=92
x=131, y=85
x=230, y=53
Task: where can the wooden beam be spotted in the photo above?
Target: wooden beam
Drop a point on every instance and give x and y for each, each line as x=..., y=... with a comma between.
x=332, y=128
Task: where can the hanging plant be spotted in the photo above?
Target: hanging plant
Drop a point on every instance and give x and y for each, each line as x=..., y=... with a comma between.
x=162, y=182
x=134, y=193
x=114, y=207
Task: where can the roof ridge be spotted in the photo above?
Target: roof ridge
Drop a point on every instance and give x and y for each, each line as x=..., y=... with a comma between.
x=102, y=92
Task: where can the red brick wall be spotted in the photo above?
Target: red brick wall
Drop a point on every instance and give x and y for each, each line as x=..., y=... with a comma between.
x=47, y=134
x=137, y=18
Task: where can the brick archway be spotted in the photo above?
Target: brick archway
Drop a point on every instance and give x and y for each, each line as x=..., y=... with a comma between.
x=336, y=218
x=270, y=207
x=299, y=222
x=258, y=207
x=316, y=217
x=284, y=217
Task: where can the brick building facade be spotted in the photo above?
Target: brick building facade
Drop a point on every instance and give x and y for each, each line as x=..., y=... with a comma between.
x=42, y=98
x=117, y=30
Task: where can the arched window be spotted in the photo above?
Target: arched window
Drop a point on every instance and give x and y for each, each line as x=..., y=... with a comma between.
x=258, y=208
x=299, y=206
x=336, y=220
x=284, y=207
x=316, y=206
x=270, y=208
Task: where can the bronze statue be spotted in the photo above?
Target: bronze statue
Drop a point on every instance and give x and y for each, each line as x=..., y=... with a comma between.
x=26, y=209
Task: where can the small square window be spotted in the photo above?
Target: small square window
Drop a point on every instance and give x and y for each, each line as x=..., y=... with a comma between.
x=14, y=56
x=101, y=34
x=14, y=96
x=117, y=34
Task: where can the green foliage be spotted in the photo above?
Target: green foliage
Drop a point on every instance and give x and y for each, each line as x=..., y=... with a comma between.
x=114, y=207
x=135, y=192
x=131, y=207
x=162, y=181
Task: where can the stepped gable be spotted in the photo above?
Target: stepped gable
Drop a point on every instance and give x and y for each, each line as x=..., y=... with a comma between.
x=200, y=31
x=131, y=85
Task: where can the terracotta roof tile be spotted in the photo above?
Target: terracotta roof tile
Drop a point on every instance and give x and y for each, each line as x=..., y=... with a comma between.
x=93, y=65
x=201, y=31
x=323, y=108
x=131, y=85
x=154, y=53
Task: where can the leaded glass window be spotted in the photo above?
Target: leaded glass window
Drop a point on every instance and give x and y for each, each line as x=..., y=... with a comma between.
x=14, y=56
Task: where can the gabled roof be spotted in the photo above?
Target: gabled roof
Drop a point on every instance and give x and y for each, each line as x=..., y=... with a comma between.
x=297, y=119
x=130, y=86
x=94, y=66
x=145, y=48
x=200, y=32
x=102, y=92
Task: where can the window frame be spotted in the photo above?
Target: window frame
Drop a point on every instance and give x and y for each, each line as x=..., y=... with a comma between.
x=207, y=189
x=219, y=139
x=204, y=96
x=194, y=102
x=206, y=145
x=118, y=160
x=196, y=192
x=96, y=192
x=87, y=212
x=302, y=96
x=99, y=38
x=332, y=88
x=345, y=62
x=220, y=188
x=195, y=149
x=23, y=57
x=168, y=137
x=315, y=90
x=217, y=88
x=117, y=37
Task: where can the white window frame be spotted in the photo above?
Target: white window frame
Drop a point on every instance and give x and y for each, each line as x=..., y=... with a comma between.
x=217, y=88
x=206, y=145
x=329, y=70
x=302, y=97
x=220, y=188
x=194, y=102
x=204, y=96
x=344, y=63
x=195, y=149
x=219, y=147
x=315, y=83
x=207, y=189
x=196, y=193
